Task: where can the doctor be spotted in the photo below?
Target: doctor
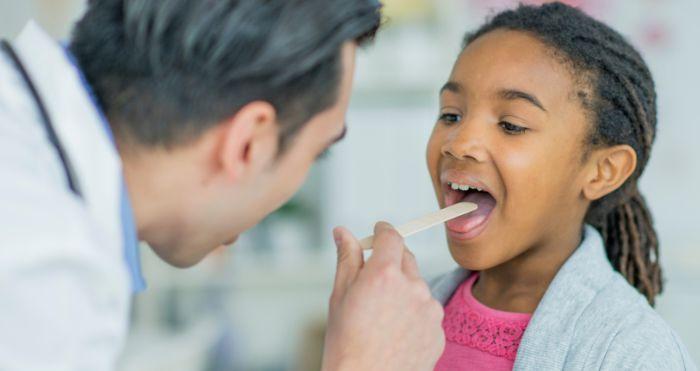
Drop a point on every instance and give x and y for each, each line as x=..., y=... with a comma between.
x=181, y=124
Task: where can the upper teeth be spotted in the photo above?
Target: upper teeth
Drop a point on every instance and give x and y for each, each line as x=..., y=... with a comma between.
x=462, y=187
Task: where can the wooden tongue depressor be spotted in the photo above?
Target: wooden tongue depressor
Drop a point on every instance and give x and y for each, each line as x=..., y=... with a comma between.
x=427, y=221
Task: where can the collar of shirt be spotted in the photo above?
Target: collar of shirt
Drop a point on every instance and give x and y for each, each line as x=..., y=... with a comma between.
x=131, y=242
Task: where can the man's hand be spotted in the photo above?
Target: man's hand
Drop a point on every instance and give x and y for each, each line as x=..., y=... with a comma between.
x=382, y=316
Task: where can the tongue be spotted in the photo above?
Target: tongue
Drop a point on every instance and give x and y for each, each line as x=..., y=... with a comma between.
x=465, y=223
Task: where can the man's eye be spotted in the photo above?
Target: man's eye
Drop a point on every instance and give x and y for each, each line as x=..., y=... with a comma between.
x=511, y=129
x=323, y=155
x=450, y=118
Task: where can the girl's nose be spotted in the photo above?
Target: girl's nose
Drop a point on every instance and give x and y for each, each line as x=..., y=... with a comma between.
x=466, y=142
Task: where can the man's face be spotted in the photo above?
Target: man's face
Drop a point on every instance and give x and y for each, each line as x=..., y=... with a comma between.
x=218, y=216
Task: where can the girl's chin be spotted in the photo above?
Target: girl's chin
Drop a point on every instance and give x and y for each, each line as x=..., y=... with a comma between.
x=472, y=254
x=473, y=262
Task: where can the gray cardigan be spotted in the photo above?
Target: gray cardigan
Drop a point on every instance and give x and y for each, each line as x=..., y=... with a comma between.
x=590, y=318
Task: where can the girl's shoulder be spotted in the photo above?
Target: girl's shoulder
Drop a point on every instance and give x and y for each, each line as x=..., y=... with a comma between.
x=620, y=330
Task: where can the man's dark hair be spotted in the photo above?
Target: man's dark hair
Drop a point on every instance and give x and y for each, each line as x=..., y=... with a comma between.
x=164, y=71
x=618, y=93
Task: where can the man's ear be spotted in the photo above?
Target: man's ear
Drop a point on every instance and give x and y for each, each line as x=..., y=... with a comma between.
x=249, y=140
x=610, y=167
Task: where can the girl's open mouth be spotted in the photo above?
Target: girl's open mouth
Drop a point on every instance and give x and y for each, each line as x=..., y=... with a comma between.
x=471, y=225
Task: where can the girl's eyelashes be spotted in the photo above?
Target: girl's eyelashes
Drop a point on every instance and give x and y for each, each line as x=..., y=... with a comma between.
x=450, y=118
x=511, y=129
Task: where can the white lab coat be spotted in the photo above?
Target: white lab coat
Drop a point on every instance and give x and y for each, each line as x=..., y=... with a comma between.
x=64, y=284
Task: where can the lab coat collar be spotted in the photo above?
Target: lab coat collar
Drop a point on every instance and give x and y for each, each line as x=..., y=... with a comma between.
x=78, y=126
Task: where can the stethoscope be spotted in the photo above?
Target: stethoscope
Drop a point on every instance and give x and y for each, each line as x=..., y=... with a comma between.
x=45, y=119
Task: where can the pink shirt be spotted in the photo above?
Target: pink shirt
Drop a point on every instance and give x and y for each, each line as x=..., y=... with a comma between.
x=478, y=337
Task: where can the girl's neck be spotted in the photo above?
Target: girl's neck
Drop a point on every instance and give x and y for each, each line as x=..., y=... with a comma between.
x=519, y=284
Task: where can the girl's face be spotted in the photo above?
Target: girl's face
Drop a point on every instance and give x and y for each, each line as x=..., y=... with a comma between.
x=511, y=124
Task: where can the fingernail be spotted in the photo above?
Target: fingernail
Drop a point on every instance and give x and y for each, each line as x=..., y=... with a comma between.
x=337, y=236
x=382, y=226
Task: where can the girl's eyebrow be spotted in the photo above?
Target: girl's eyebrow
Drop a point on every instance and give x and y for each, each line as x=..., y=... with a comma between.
x=513, y=94
x=506, y=94
x=452, y=86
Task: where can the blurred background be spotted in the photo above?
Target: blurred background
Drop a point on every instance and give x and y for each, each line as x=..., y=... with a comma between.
x=261, y=304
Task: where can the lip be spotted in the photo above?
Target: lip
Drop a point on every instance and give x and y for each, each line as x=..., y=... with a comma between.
x=470, y=179
x=465, y=178
x=472, y=234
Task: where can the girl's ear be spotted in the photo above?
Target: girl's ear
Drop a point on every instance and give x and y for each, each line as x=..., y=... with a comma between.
x=609, y=168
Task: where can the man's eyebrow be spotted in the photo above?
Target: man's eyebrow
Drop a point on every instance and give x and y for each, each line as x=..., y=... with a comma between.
x=341, y=136
x=334, y=141
x=513, y=94
x=452, y=86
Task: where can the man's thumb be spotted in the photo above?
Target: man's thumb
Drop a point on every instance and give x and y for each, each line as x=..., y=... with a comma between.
x=350, y=258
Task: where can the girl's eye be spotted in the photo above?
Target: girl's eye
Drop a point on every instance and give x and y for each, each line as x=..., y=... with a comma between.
x=511, y=129
x=450, y=118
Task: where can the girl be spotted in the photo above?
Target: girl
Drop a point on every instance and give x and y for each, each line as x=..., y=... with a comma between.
x=546, y=122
